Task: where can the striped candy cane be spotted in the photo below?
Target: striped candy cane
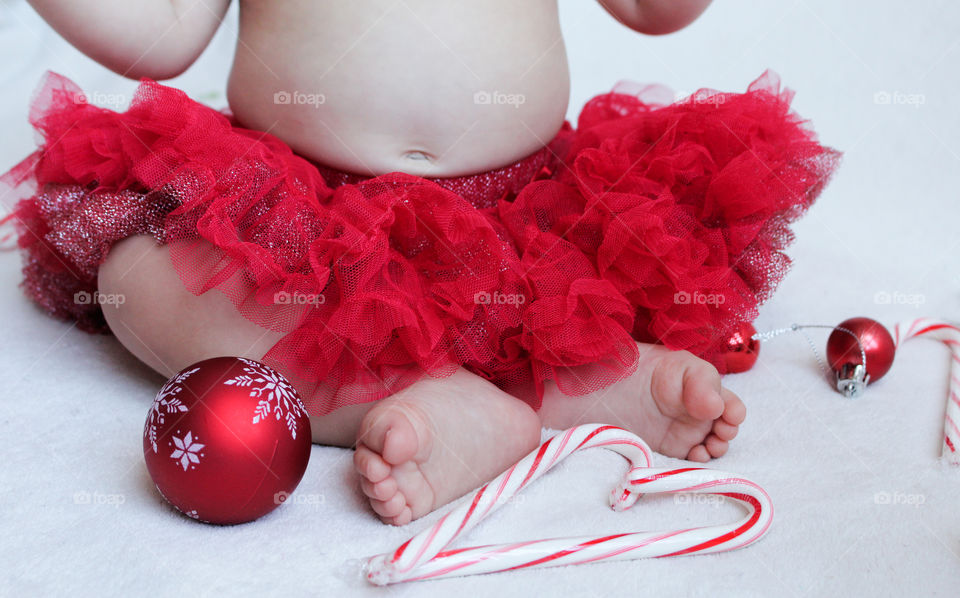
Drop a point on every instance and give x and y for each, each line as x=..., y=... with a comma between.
x=949, y=334
x=428, y=556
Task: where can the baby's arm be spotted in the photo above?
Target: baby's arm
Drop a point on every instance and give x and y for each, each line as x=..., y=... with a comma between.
x=655, y=17
x=137, y=38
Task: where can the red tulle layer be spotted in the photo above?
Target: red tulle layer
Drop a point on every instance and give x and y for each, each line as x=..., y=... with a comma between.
x=654, y=223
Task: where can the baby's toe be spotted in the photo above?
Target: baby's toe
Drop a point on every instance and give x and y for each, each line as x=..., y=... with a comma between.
x=698, y=454
x=724, y=431
x=370, y=465
x=734, y=411
x=701, y=390
x=391, y=507
x=382, y=490
x=715, y=446
x=387, y=430
x=405, y=517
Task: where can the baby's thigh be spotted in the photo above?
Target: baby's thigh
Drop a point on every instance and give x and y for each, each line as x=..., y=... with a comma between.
x=162, y=323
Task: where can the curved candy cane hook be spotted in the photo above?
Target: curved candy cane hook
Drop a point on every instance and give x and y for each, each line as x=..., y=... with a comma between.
x=949, y=334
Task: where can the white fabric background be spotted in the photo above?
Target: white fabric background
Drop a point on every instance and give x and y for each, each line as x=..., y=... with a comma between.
x=74, y=404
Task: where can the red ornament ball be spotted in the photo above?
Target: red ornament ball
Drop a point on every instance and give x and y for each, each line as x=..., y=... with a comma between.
x=741, y=350
x=227, y=440
x=843, y=351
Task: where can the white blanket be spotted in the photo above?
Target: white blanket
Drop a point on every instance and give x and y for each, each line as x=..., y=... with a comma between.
x=862, y=504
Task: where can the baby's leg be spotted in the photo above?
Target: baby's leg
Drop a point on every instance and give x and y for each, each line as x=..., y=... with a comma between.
x=168, y=328
x=439, y=438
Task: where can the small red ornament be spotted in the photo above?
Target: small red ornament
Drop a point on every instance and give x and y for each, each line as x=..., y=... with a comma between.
x=227, y=440
x=741, y=350
x=845, y=357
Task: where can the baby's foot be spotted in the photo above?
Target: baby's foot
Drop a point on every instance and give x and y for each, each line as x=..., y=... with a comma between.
x=437, y=440
x=674, y=401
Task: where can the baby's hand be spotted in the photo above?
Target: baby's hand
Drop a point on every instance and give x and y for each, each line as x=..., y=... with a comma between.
x=655, y=17
x=158, y=39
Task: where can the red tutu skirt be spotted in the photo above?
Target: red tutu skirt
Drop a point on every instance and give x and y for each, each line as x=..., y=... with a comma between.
x=649, y=222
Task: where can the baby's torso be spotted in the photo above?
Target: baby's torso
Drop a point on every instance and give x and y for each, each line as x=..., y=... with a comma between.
x=429, y=87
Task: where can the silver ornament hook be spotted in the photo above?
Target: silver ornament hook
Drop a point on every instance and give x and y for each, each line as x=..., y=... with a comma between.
x=851, y=380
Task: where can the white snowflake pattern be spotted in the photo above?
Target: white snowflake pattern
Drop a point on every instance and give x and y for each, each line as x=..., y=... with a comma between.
x=192, y=513
x=164, y=403
x=187, y=450
x=276, y=394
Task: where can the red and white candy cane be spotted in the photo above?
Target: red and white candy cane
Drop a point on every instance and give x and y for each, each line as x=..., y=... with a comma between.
x=428, y=556
x=949, y=334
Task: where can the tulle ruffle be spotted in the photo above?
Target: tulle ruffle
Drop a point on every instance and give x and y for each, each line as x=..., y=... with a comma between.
x=657, y=223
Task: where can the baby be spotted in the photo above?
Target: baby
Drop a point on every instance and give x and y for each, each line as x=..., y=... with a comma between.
x=442, y=91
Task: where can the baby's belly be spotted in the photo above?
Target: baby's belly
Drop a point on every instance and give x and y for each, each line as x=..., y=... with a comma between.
x=429, y=87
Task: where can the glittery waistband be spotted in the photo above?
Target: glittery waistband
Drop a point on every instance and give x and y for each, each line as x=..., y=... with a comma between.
x=484, y=189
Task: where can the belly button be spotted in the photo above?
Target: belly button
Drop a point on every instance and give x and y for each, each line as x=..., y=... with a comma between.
x=418, y=155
